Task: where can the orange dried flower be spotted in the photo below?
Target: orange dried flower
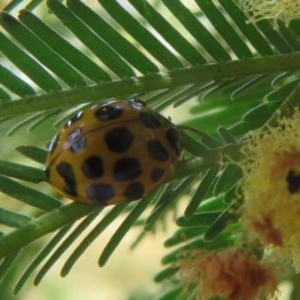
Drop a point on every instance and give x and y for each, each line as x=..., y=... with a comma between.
x=232, y=274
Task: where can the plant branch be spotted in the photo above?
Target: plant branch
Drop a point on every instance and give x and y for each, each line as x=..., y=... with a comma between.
x=46, y=223
x=175, y=78
x=230, y=153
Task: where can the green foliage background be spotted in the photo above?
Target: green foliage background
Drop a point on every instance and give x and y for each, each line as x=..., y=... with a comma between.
x=221, y=75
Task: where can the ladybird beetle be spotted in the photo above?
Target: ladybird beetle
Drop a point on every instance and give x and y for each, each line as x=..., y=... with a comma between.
x=114, y=152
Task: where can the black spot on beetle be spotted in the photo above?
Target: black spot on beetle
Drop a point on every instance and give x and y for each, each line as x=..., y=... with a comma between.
x=100, y=193
x=156, y=151
x=157, y=174
x=119, y=139
x=108, y=112
x=134, y=191
x=92, y=167
x=149, y=120
x=65, y=170
x=127, y=168
x=293, y=180
x=172, y=136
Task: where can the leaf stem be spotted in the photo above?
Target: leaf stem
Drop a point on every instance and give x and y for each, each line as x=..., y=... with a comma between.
x=46, y=223
x=210, y=159
x=286, y=109
x=151, y=82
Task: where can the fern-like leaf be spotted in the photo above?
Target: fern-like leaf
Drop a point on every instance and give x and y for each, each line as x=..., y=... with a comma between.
x=237, y=75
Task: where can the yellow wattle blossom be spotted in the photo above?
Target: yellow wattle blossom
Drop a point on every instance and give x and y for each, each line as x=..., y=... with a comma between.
x=231, y=274
x=274, y=10
x=271, y=187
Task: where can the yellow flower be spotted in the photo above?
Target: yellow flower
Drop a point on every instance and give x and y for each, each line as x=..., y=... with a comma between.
x=231, y=273
x=271, y=187
x=274, y=10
